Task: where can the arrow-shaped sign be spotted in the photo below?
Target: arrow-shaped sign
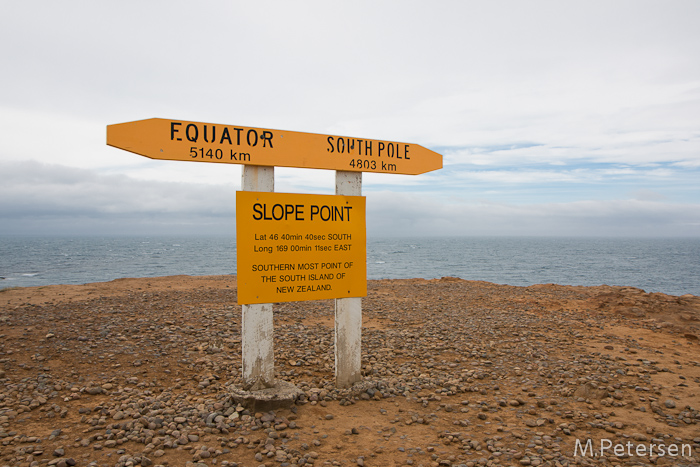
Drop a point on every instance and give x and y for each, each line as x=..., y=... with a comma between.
x=181, y=140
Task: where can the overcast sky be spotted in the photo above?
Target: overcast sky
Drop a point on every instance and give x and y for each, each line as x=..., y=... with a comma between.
x=553, y=117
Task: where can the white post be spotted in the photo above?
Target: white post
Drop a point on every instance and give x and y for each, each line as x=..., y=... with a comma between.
x=348, y=311
x=256, y=322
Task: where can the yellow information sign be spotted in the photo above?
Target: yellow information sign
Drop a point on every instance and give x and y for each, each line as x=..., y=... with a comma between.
x=181, y=140
x=295, y=247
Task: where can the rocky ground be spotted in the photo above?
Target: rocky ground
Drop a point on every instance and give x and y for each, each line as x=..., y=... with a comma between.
x=138, y=372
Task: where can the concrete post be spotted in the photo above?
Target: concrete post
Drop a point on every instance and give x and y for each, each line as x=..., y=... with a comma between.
x=256, y=322
x=348, y=311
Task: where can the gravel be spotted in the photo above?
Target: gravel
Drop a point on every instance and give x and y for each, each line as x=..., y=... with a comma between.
x=454, y=373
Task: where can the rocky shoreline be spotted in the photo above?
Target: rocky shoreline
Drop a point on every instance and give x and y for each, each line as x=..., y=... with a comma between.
x=140, y=372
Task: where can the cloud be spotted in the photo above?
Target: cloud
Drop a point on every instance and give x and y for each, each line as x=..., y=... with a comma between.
x=538, y=108
x=39, y=198
x=648, y=195
x=408, y=215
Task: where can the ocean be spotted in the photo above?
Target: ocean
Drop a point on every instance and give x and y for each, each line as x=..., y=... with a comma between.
x=670, y=266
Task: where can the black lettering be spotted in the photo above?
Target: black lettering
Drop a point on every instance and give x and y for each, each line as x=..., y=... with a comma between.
x=174, y=130
x=196, y=133
x=383, y=166
x=359, y=147
x=405, y=151
x=281, y=214
x=255, y=133
x=330, y=144
x=351, y=145
x=238, y=135
x=368, y=148
x=288, y=209
x=266, y=137
x=257, y=213
x=341, y=149
x=299, y=211
x=381, y=147
x=337, y=213
x=225, y=135
x=213, y=134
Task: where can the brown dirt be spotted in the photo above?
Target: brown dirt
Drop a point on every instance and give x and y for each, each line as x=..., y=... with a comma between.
x=463, y=373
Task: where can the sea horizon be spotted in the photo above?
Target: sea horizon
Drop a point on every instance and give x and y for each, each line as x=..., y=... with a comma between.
x=655, y=264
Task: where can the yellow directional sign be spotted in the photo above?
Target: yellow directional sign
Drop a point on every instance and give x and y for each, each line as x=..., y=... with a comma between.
x=295, y=247
x=181, y=140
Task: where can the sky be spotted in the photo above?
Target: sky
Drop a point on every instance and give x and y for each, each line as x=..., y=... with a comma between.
x=575, y=118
